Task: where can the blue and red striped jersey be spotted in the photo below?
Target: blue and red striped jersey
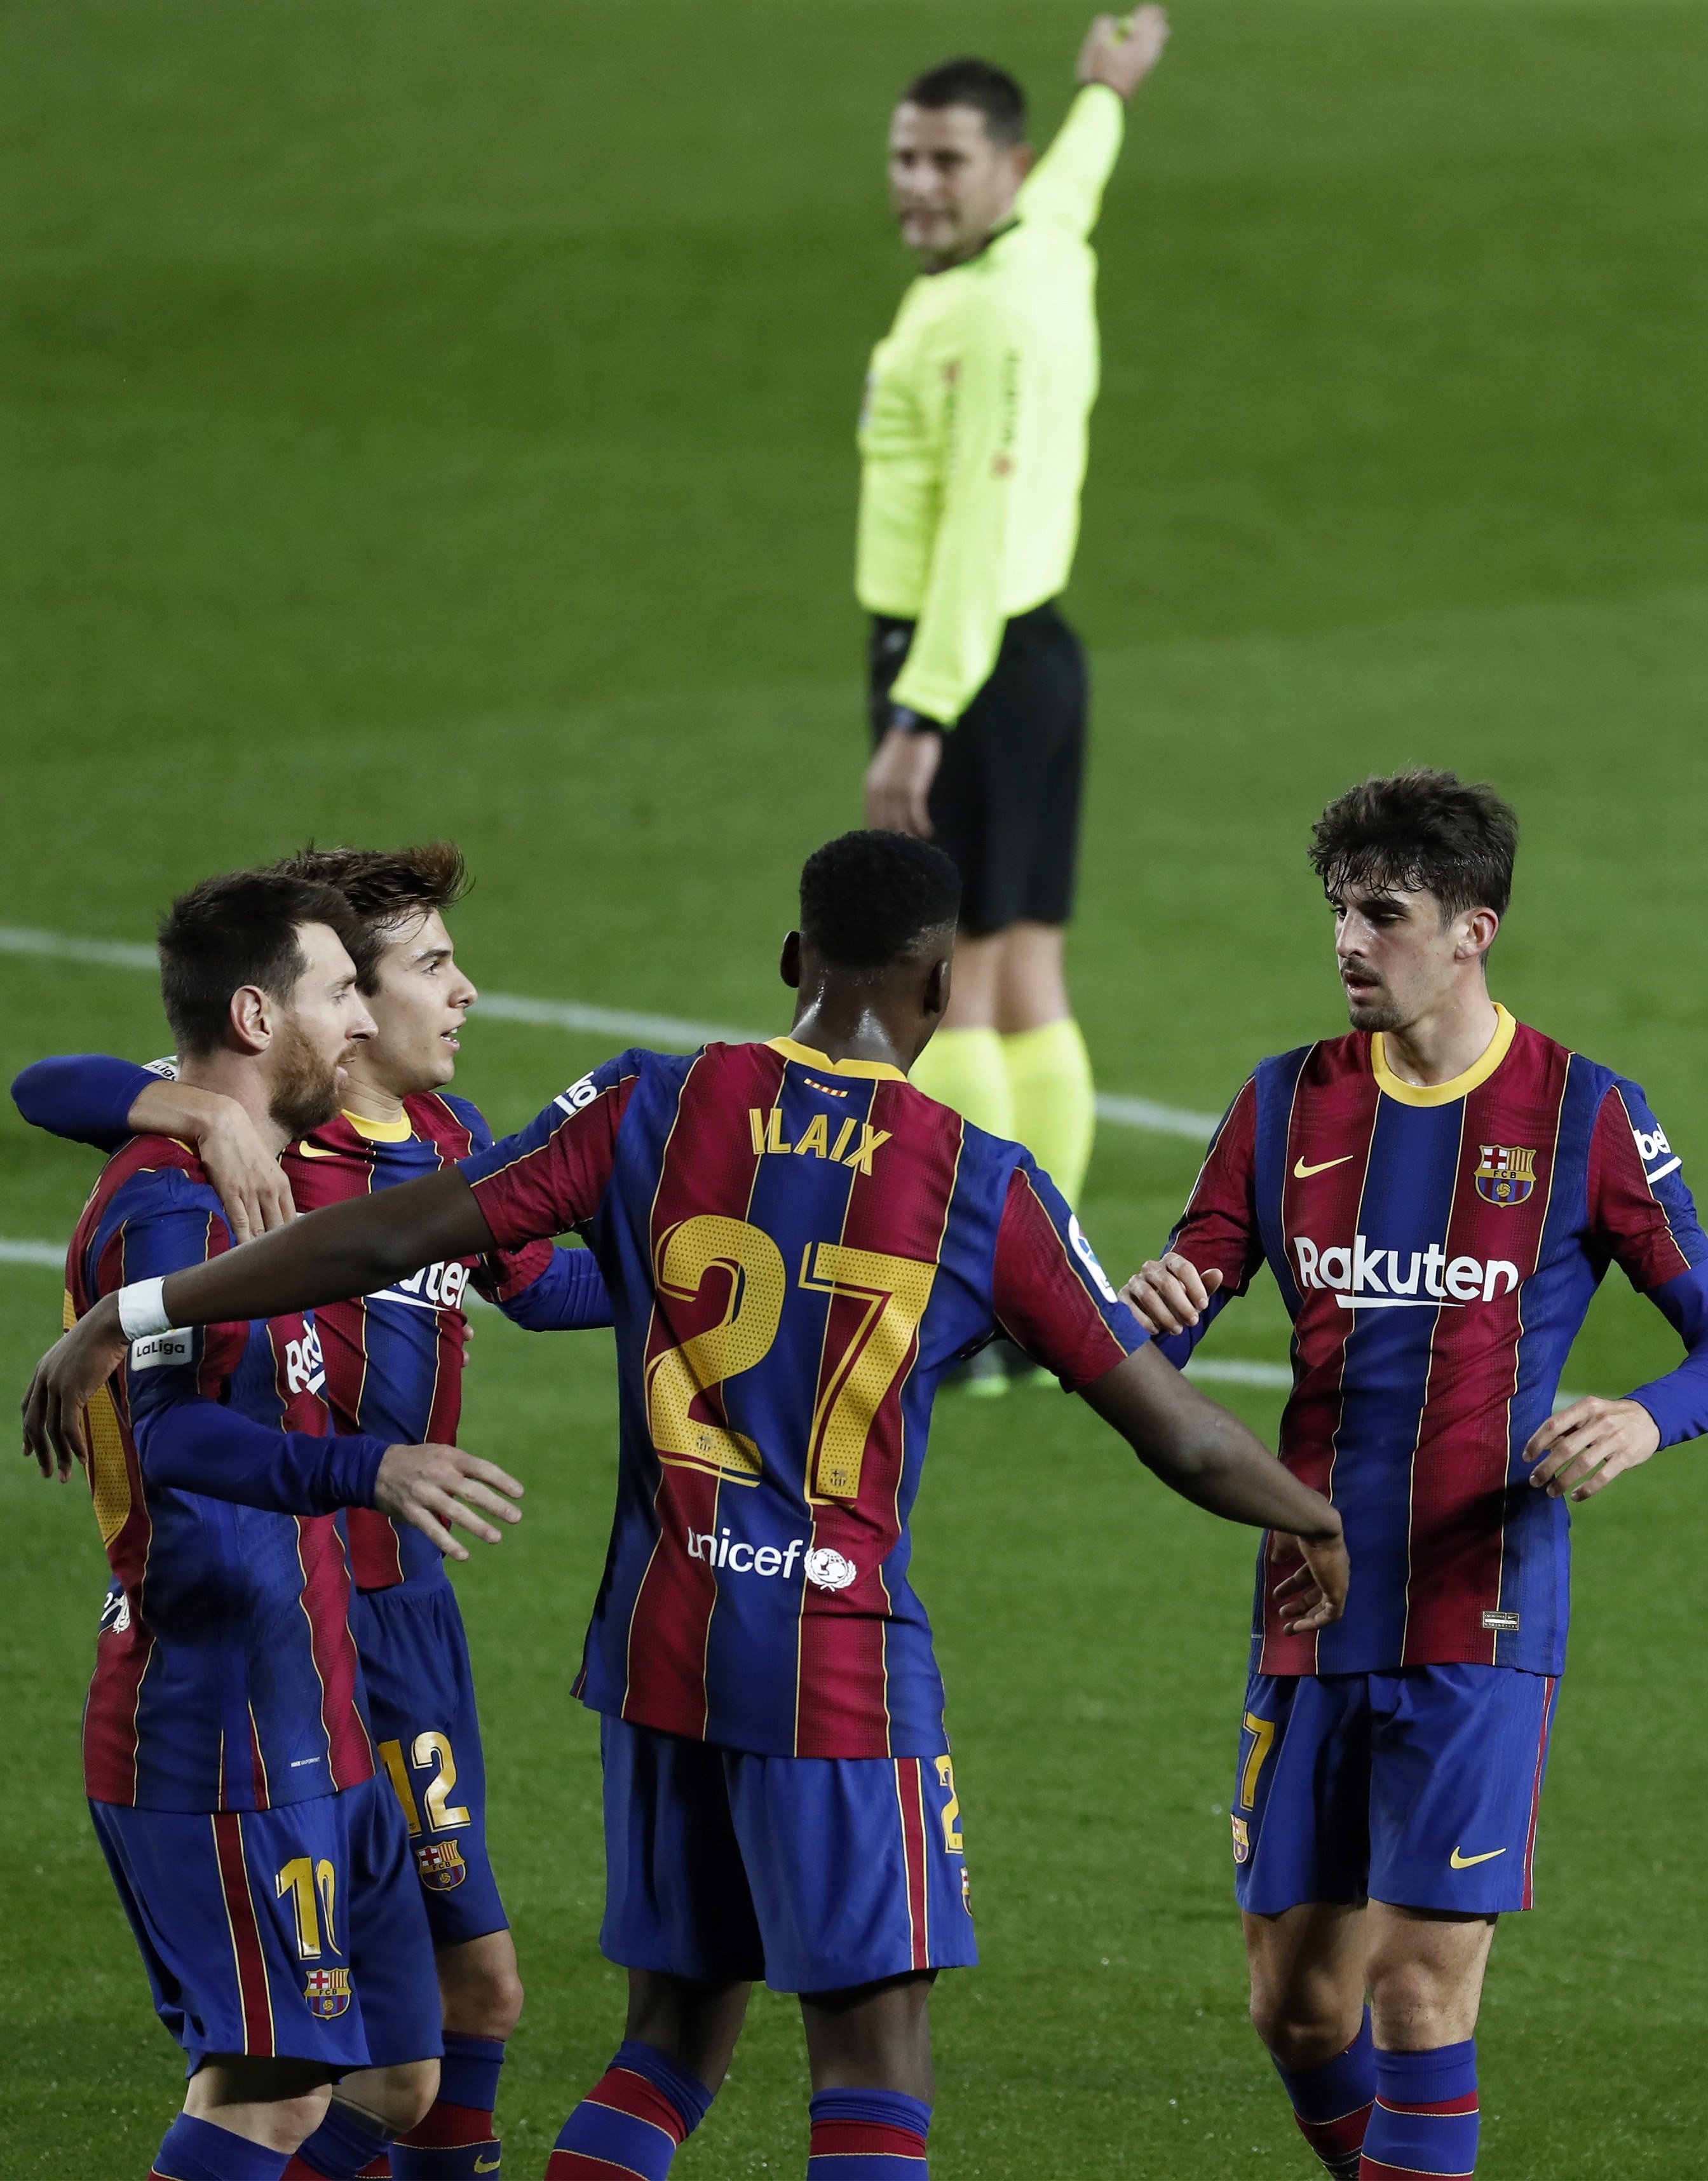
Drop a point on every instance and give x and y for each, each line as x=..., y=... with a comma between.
x=1437, y=1249
x=395, y=1359
x=225, y=1677
x=796, y=1250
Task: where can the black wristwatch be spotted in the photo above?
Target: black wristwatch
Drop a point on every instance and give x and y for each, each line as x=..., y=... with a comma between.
x=903, y=721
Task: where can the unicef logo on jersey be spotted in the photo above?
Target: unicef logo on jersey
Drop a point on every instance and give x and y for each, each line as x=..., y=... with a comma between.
x=1087, y=1256
x=828, y=1571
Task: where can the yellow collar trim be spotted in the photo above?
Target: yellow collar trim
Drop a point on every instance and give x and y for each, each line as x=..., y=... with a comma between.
x=879, y=1070
x=381, y=1132
x=1461, y=1087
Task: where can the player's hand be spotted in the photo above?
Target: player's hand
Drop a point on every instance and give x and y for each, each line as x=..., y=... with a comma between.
x=1315, y=1594
x=1122, y=50
x=1580, y=1451
x=431, y=1487
x=248, y=1180
x=898, y=783
x=1168, y=1295
x=246, y=1176
x=66, y=1378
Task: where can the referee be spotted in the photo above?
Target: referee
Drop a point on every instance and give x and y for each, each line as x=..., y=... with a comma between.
x=973, y=442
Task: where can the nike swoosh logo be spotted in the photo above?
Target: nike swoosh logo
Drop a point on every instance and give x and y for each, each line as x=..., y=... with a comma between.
x=1303, y=1173
x=307, y=1150
x=1463, y=1862
x=488, y=2165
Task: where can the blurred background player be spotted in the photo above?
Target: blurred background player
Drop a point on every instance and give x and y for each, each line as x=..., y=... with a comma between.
x=798, y=1245
x=973, y=441
x=264, y=1868
x=393, y=1367
x=1438, y=1195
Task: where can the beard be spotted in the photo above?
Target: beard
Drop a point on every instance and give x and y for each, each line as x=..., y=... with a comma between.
x=305, y=1091
x=1375, y=1012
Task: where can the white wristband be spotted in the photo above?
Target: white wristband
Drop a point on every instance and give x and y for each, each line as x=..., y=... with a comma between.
x=140, y=1311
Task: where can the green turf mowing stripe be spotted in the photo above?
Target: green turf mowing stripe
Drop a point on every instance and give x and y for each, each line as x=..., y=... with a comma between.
x=669, y=1031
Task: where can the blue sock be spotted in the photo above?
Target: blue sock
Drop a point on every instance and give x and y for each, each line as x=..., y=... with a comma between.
x=345, y=2144
x=1426, y=2119
x=456, y=2141
x=1331, y=2103
x=197, y=2150
x=633, y=2120
x=868, y=2135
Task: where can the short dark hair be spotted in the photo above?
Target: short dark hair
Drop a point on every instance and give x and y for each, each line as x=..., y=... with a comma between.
x=981, y=83
x=868, y=899
x=1421, y=830
x=383, y=886
x=240, y=928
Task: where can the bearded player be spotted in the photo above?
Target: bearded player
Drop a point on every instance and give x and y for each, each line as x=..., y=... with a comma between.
x=393, y=1367
x=263, y=1866
x=1438, y=1195
x=798, y=1244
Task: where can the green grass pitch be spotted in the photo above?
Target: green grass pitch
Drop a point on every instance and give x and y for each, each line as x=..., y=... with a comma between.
x=438, y=418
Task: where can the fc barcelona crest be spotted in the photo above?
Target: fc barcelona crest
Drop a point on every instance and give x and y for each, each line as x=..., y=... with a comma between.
x=1505, y=1173
x=1242, y=1840
x=441, y=1865
x=328, y=1992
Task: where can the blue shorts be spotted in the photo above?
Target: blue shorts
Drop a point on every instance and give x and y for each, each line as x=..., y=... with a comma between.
x=1420, y=1787
x=816, y=1874
x=421, y=1697
x=296, y=1933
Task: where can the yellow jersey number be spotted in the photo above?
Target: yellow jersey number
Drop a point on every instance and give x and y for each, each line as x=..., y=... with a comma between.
x=893, y=1293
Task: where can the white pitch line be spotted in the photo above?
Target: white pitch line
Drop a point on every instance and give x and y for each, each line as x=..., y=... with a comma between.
x=33, y=1253
x=1214, y=1370
x=669, y=1032
x=1229, y=1373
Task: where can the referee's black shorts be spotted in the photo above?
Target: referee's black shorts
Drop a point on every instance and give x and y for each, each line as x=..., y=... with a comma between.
x=1006, y=801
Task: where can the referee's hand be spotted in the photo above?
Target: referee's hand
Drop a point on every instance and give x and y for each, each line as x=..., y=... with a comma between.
x=1123, y=51
x=898, y=782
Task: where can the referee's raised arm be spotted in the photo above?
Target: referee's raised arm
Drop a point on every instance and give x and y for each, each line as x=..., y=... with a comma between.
x=974, y=442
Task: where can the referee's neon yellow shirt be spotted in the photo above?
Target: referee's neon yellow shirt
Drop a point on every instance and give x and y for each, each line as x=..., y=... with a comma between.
x=972, y=439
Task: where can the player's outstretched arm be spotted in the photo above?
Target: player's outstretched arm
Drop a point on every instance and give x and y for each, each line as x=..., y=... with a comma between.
x=1208, y=1457
x=347, y=1250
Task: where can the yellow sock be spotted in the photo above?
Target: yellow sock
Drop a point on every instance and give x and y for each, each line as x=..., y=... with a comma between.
x=1050, y=1100
x=965, y=1068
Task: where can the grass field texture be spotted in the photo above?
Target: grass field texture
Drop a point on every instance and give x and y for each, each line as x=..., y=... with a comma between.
x=438, y=419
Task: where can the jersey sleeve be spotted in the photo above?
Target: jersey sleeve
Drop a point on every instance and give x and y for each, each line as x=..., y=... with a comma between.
x=1218, y=1231
x=981, y=380
x=1642, y=1214
x=186, y=1437
x=552, y=1175
x=1641, y=1211
x=566, y=1292
x=1051, y=1296
x=85, y=1096
x=1065, y=187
